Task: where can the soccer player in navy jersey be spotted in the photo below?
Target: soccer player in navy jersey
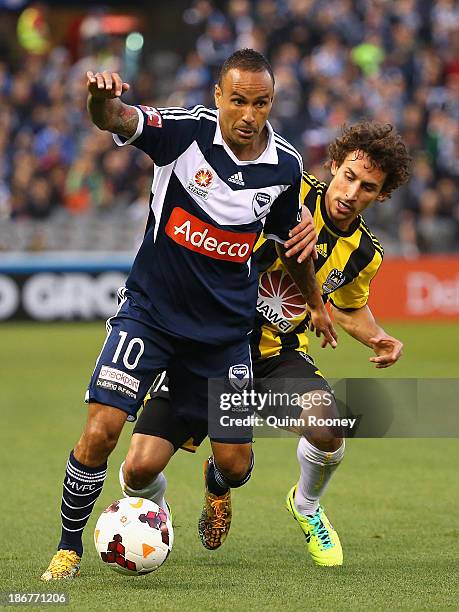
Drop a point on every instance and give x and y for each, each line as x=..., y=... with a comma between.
x=221, y=177
x=368, y=161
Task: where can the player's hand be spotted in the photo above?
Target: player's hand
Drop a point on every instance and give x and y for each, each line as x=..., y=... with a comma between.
x=388, y=350
x=106, y=85
x=303, y=237
x=322, y=325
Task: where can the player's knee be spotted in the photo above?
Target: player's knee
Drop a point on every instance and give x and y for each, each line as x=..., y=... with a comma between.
x=138, y=475
x=146, y=458
x=326, y=442
x=327, y=438
x=141, y=467
x=98, y=439
x=320, y=421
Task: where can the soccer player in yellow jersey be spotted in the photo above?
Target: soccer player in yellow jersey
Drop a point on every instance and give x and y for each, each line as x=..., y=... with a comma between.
x=367, y=162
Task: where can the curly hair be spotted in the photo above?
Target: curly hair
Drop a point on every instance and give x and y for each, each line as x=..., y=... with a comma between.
x=383, y=145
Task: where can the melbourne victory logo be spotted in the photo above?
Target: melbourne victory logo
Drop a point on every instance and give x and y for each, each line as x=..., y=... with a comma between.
x=261, y=203
x=239, y=376
x=279, y=299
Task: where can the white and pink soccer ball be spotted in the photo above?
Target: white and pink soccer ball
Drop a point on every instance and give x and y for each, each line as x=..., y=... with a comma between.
x=133, y=536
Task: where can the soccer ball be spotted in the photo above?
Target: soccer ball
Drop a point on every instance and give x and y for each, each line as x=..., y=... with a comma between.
x=133, y=536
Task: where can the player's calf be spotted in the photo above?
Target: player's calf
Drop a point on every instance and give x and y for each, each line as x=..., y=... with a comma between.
x=84, y=478
x=316, y=469
x=100, y=435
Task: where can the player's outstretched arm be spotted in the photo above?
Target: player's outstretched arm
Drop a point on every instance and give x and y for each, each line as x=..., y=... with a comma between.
x=361, y=325
x=105, y=107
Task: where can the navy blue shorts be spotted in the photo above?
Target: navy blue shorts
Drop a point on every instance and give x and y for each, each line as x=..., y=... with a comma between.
x=135, y=354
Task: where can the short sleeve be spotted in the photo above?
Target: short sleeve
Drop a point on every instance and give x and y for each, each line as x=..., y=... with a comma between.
x=163, y=134
x=355, y=294
x=285, y=213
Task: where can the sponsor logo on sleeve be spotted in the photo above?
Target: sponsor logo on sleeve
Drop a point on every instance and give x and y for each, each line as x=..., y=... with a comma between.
x=261, y=203
x=194, y=234
x=154, y=118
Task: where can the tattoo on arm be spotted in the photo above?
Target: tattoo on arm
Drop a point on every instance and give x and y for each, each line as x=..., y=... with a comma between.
x=304, y=276
x=113, y=115
x=128, y=120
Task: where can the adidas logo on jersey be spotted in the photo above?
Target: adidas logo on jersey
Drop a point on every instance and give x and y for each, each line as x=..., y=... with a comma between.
x=237, y=179
x=322, y=249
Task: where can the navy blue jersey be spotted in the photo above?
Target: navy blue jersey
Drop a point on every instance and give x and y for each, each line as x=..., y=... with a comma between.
x=193, y=272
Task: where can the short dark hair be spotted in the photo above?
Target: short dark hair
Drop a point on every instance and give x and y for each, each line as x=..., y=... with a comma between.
x=246, y=59
x=383, y=145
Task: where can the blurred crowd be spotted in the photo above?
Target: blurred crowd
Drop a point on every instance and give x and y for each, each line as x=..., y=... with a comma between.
x=335, y=62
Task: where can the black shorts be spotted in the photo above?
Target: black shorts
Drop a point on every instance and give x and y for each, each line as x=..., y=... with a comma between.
x=183, y=429
x=291, y=372
x=159, y=418
x=290, y=364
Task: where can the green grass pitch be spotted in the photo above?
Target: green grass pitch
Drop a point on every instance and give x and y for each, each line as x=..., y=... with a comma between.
x=394, y=502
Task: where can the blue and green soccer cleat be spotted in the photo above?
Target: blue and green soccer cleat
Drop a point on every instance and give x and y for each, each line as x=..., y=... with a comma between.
x=321, y=538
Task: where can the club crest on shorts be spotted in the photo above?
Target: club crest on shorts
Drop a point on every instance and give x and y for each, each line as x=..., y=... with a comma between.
x=261, y=202
x=239, y=376
x=335, y=279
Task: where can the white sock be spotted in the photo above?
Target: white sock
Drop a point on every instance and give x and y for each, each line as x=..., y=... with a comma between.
x=154, y=490
x=317, y=468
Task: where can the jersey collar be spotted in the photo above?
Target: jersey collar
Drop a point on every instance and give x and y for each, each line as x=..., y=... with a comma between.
x=269, y=155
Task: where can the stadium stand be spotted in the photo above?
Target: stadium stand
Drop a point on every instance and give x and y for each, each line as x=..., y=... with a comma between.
x=62, y=183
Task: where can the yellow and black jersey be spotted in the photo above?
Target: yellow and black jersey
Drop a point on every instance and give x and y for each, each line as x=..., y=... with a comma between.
x=347, y=262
